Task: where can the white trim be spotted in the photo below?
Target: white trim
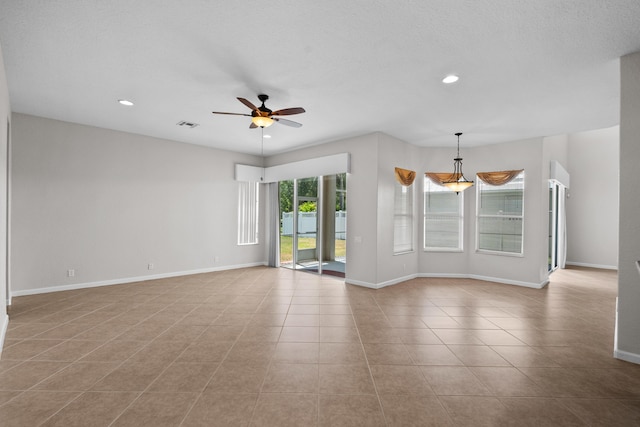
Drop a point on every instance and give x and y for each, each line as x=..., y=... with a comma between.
x=318, y=166
x=559, y=174
x=448, y=276
x=615, y=331
x=445, y=275
x=626, y=356
x=511, y=282
x=4, y=324
x=361, y=283
x=588, y=265
x=382, y=284
x=621, y=354
x=74, y=286
x=487, y=279
x=248, y=173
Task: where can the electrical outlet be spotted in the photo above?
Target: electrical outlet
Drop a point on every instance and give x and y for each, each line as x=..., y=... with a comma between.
x=216, y=259
x=150, y=266
x=71, y=273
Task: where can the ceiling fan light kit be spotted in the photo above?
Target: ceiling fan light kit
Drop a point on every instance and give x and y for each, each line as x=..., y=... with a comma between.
x=457, y=182
x=263, y=122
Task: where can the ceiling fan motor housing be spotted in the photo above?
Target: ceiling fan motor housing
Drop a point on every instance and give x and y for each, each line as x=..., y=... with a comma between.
x=262, y=108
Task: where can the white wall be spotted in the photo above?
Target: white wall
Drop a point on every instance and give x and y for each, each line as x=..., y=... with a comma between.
x=396, y=153
x=531, y=268
x=370, y=189
x=5, y=115
x=528, y=270
x=592, y=208
x=447, y=263
x=108, y=203
x=628, y=320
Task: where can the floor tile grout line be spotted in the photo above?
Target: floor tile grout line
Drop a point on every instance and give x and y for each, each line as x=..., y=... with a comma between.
x=255, y=406
x=366, y=358
x=532, y=313
x=141, y=393
x=217, y=368
x=96, y=382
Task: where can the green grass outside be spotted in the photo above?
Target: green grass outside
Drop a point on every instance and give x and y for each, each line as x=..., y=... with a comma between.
x=286, y=247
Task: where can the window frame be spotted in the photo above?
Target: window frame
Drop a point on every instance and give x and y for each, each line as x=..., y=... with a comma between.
x=408, y=213
x=521, y=217
x=427, y=183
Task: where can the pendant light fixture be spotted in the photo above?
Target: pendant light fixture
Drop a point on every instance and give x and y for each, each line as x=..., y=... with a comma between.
x=457, y=182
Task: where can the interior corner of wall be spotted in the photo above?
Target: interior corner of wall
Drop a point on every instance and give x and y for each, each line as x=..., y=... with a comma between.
x=4, y=324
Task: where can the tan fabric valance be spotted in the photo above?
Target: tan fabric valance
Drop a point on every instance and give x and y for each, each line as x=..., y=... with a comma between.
x=405, y=177
x=442, y=177
x=498, y=178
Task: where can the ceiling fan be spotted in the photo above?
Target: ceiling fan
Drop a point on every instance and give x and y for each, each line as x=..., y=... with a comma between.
x=264, y=117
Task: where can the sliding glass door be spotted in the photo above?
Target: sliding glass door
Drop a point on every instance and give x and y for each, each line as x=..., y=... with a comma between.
x=313, y=224
x=334, y=219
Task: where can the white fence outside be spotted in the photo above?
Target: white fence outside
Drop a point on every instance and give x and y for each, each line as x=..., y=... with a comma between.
x=307, y=224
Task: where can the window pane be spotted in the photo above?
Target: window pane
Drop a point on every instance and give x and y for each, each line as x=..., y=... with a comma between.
x=403, y=219
x=500, y=216
x=443, y=217
x=500, y=234
x=442, y=232
x=502, y=199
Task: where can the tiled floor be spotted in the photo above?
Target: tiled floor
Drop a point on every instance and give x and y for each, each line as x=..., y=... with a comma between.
x=274, y=347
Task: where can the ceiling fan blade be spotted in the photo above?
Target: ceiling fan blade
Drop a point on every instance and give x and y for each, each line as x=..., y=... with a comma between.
x=288, y=111
x=252, y=126
x=287, y=122
x=247, y=103
x=231, y=114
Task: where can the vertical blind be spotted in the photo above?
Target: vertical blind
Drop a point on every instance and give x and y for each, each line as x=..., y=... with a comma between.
x=248, y=213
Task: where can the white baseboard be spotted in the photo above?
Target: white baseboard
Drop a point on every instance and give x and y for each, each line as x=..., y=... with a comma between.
x=444, y=275
x=626, y=356
x=381, y=284
x=621, y=354
x=4, y=324
x=450, y=276
x=588, y=265
x=58, y=288
x=488, y=279
x=511, y=282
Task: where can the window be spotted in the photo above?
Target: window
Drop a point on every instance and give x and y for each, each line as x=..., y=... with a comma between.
x=500, y=216
x=403, y=219
x=248, y=213
x=443, y=217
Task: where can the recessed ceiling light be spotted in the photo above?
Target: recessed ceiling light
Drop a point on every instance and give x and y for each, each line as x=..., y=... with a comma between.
x=267, y=136
x=125, y=102
x=451, y=78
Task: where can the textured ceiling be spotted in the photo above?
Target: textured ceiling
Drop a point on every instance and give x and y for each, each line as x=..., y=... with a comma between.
x=527, y=69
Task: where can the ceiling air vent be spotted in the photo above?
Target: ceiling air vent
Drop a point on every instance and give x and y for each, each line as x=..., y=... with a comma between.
x=187, y=124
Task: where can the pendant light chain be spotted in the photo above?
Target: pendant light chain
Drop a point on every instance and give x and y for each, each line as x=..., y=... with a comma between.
x=457, y=181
